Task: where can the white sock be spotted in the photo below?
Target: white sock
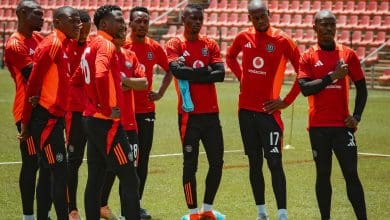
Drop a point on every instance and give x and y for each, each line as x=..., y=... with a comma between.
x=261, y=209
x=28, y=217
x=194, y=211
x=207, y=207
x=282, y=211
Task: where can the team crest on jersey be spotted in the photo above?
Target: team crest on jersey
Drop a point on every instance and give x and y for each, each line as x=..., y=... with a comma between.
x=205, y=52
x=59, y=157
x=128, y=64
x=270, y=48
x=149, y=55
x=197, y=64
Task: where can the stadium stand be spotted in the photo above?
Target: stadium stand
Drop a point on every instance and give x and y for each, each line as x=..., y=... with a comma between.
x=362, y=25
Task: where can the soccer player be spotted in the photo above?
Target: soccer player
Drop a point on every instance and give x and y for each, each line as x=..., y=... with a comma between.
x=19, y=52
x=196, y=63
x=108, y=147
x=77, y=99
x=149, y=53
x=48, y=81
x=265, y=51
x=324, y=73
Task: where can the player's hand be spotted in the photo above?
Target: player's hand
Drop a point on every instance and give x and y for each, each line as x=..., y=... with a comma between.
x=273, y=105
x=341, y=70
x=351, y=122
x=124, y=87
x=24, y=132
x=115, y=112
x=33, y=100
x=154, y=96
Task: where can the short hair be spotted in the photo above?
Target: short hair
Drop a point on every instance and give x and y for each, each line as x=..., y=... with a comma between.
x=84, y=16
x=194, y=6
x=24, y=4
x=61, y=11
x=102, y=12
x=138, y=8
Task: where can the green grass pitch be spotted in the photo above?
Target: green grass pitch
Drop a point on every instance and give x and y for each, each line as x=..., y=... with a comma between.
x=164, y=196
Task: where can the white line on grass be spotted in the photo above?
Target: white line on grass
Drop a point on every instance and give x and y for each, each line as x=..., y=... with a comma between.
x=180, y=154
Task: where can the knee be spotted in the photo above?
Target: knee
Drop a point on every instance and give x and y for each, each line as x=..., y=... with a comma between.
x=275, y=163
x=190, y=167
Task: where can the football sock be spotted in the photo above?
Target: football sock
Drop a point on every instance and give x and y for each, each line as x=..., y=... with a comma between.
x=207, y=207
x=261, y=209
x=194, y=211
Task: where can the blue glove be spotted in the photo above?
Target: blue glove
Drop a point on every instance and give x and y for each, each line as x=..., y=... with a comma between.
x=184, y=87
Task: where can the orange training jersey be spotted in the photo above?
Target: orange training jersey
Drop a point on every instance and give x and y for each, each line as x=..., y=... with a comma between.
x=129, y=67
x=329, y=108
x=49, y=76
x=99, y=64
x=148, y=54
x=198, y=53
x=264, y=58
x=19, y=51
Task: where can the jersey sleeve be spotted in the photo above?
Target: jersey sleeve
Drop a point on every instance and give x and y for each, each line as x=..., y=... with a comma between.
x=231, y=57
x=215, y=53
x=162, y=58
x=173, y=48
x=292, y=53
x=354, y=68
x=17, y=54
x=304, y=66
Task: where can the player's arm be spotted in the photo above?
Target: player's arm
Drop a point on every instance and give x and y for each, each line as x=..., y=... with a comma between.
x=102, y=66
x=26, y=71
x=139, y=81
x=162, y=62
x=231, y=58
x=183, y=72
x=217, y=74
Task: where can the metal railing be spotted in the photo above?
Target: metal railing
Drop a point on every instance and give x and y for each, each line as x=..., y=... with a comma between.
x=168, y=12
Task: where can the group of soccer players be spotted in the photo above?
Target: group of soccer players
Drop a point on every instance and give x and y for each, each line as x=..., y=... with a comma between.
x=99, y=90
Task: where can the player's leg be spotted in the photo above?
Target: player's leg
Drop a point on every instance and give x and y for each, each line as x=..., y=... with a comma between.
x=121, y=160
x=44, y=192
x=345, y=149
x=322, y=154
x=108, y=182
x=252, y=146
x=28, y=174
x=55, y=154
x=76, y=140
x=95, y=130
x=145, y=124
x=190, y=134
x=212, y=140
x=271, y=131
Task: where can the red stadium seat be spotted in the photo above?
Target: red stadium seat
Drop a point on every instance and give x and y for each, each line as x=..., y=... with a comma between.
x=380, y=38
x=298, y=35
x=352, y=22
x=375, y=23
x=288, y=31
x=242, y=7
x=294, y=6
x=164, y=6
x=203, y=30
x=232, y=33
x=372, y=7
x=212, y=6
x=232, y=6
x=341, y=21
x=308, y=21
x=244, y=20
x=180, y=31
x=302, y=48
x=213, y=32
x=368, y=38
x=344, y=38
x=223, y=18
x=275, y=19
x=309, y=37
x=315, y=7
x=361, y=52
x=383, y=7
x=154, y=6
x=305, y=7
x=223, y=33
x=286, y=20
x=283, y=7
x=273, y=5
x=171, y=32
x=364, y=22
x=327, y=5
x=349, y=7
x=212, y=19
x=222, y=5
x=223, y=48
x=360, y=8
x=386, y=23
x=232, y=19
x=356, y=37
x=296, y=21
x=338, y=7
x=372, y=59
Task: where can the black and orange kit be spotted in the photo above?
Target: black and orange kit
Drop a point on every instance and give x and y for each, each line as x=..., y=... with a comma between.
x=108, y=147
x=48, y=80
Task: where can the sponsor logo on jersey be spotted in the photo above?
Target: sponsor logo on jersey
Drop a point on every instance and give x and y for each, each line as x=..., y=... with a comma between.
x=205, y=52
x=197, y=64
x=270, y=48
x=258, y=62
x=248, y=45
x=128, y=64
x=149, y=55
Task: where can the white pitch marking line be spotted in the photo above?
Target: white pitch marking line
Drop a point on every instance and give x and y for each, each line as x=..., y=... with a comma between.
x=180, y=154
